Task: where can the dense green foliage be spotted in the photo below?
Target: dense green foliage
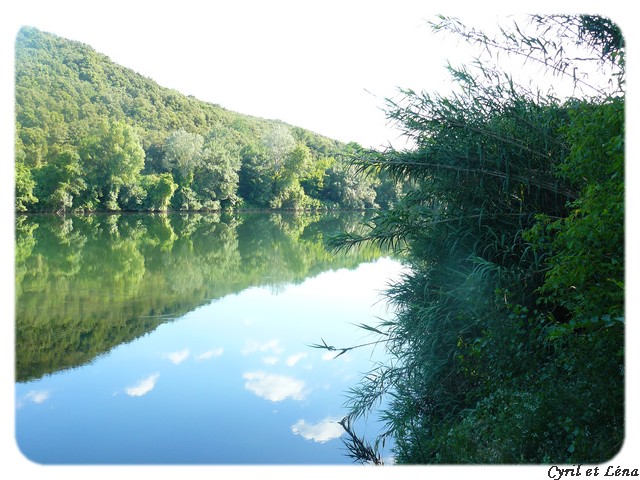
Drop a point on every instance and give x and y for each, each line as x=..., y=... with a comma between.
x=91, y=135
x=85, y=284
x=508, y=345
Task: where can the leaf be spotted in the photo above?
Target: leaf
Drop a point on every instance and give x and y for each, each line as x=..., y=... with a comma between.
x=369, y=328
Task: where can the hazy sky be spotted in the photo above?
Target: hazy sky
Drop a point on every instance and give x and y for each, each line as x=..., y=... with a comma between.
x=322, y=65
x=326, y=66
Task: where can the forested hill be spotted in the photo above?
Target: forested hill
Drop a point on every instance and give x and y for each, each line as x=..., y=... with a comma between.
x=93, y=135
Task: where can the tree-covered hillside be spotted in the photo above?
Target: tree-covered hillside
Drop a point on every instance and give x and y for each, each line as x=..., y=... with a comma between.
x=92, y=135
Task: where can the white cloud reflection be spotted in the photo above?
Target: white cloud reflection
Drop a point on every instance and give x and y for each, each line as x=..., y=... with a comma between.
x=252, y=346
x=35, y=396
x=178, y=357
x=38, y=396
x=143, y=387
x=270, y=360
x=321, y=432
x=293, y=359
x=274, y=387
x=216, y=352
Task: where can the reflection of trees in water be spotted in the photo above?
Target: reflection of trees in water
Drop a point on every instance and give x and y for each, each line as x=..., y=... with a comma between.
x=85, y=284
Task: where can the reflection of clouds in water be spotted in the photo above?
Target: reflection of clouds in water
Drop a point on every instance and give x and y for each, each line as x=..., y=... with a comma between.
x=251, y=346
x=35, y=396
x=293, y=359
x=274, y=387
x=143, y=387
x=270, y=360
x=321, y=432
x=178, y=357
x=216, y=352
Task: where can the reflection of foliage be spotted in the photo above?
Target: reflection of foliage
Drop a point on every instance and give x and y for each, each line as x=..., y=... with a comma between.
x=85, y=284
x=24, y=248
x=359, y=449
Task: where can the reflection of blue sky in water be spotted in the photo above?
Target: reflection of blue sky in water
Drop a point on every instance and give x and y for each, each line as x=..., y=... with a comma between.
x=234, y=381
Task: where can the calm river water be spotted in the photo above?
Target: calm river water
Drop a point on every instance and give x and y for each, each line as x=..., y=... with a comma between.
x=186, y=338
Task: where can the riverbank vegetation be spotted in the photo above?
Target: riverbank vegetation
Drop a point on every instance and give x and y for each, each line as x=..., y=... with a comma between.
x=508, y=344
x=94, y=136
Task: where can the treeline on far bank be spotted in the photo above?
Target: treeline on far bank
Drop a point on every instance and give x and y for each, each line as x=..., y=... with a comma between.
x=94, y=136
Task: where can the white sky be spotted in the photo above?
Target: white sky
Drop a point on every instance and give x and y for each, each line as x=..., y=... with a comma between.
x=325, y=66
x=322, y=65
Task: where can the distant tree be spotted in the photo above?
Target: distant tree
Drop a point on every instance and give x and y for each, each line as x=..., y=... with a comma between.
x=61, y=181
x=255, y=185
x=24, y=188
x=288, y=193
x=299, y=161
x=182, y=155
x=278, y=143
x=216, y=178
x=185, y=198
x=388, y=190
x=348, y=187
x=111, y=157
x=159, y=189
x=316, y=175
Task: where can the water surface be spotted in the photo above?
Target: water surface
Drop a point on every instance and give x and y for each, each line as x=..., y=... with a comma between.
x=185, y=338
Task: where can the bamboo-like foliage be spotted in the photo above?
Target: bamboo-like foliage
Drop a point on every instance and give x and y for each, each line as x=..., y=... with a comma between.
x=564, y=45
x=484, y=358
x=359, y=449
